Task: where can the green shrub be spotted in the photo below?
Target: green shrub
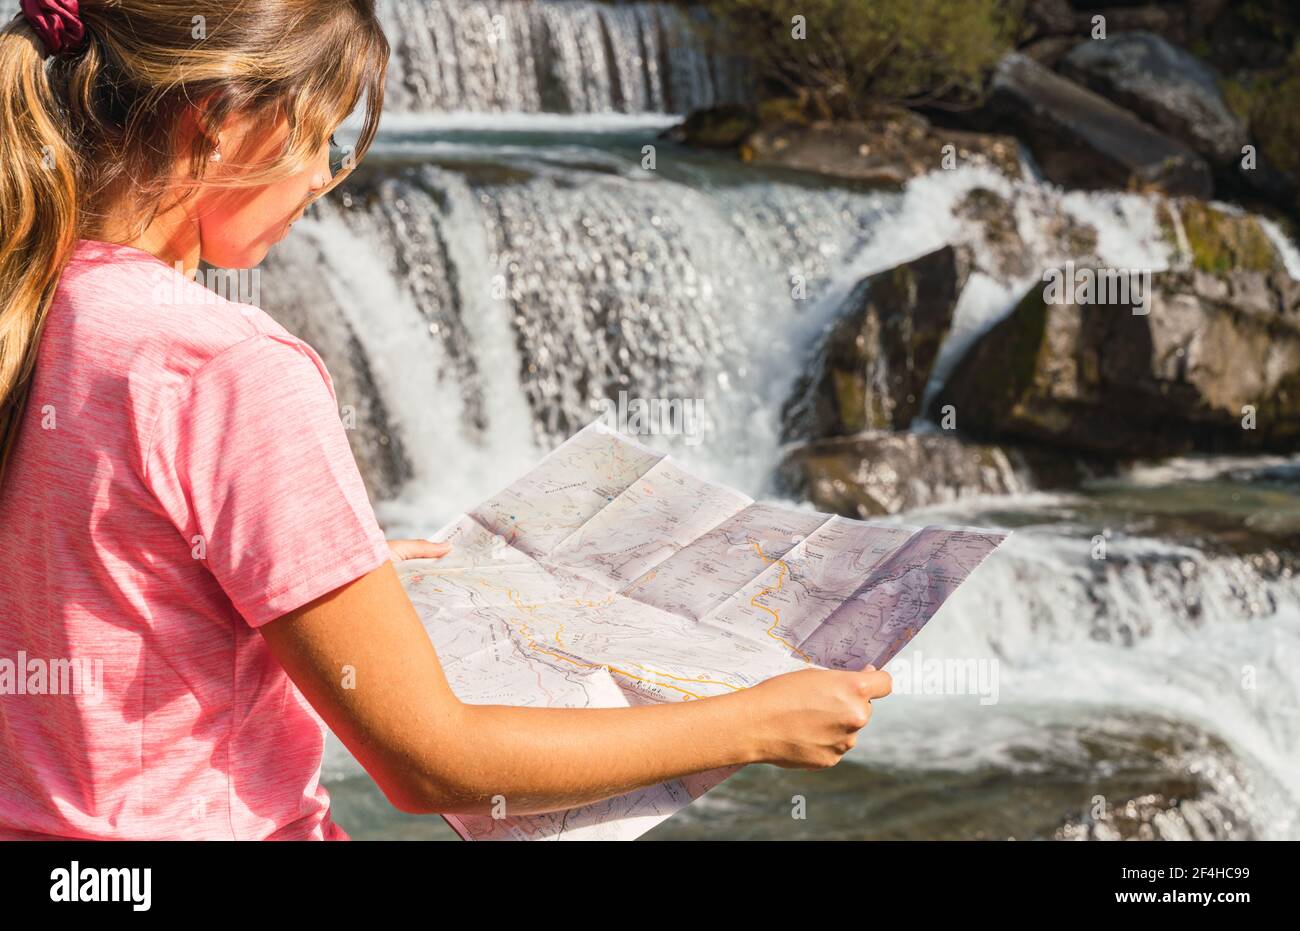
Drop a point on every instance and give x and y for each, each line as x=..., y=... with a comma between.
x=859, y=53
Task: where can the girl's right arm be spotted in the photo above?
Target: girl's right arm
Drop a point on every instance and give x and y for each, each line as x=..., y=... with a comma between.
x=362, y=658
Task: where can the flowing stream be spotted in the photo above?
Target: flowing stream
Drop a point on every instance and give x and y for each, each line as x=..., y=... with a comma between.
x=495, y=283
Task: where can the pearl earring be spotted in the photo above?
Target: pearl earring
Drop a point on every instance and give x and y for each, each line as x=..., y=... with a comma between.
x=215, y=156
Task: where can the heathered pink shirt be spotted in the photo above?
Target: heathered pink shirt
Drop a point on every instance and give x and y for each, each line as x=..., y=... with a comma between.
x=182, y=476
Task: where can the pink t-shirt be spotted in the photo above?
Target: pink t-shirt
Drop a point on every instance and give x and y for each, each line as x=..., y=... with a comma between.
x=182, y=476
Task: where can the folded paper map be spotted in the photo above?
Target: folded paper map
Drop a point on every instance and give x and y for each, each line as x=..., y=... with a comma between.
x=608, y=577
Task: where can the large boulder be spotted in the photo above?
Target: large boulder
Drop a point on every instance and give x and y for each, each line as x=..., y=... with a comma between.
x=1081, y=139
x=1214, y=365
x=878, y=472
x=872, y=366
x=1169, y=88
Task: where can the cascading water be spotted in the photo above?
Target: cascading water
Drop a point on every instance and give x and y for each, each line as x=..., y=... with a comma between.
x=567, y=56
x=499, y=284
x=555, y=56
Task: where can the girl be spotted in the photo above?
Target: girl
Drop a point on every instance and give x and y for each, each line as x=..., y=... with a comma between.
x=192, y=581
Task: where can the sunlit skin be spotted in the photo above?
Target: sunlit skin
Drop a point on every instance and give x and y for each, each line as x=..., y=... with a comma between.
x=428, y=751
x=233, y=227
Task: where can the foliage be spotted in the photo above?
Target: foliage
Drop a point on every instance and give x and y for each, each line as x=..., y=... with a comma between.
x=855, y=54
x=1267, y=101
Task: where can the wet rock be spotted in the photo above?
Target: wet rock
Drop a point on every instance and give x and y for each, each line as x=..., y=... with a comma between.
x=1214, y=365
x=1211, y=239
x=878, y=472
x=1167, y=87
x=888, y=148
x=885, y=149
x=1000, y=251
x=873, y=364
x=721, y=127
x=1081, y=139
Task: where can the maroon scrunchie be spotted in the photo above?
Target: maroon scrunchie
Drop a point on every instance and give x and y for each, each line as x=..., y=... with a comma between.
x=57, y=22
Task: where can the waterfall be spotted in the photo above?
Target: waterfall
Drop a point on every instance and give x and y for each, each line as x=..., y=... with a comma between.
x=559, y=56
x=546, y=56
x=597, y=281
x=497, y=307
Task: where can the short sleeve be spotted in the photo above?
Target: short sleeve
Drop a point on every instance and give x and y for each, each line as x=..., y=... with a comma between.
x=251, y=461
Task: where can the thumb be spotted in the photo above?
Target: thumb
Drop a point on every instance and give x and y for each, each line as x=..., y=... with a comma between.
x=418, y=549
x=877, y=682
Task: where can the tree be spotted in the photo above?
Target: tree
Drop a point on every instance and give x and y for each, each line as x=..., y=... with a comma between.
x=849, y=55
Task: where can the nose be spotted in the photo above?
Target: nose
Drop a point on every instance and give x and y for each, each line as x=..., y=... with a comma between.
x=320, y=176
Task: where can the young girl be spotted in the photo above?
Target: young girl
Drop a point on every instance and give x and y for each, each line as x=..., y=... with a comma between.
x=192, y=580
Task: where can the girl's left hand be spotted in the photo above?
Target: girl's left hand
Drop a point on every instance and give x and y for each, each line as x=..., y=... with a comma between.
x=417, y=549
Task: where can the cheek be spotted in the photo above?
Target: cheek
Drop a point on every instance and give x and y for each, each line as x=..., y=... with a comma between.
x=239, y=227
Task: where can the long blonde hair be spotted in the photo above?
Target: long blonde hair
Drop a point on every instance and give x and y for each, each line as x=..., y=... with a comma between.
x=94, y=126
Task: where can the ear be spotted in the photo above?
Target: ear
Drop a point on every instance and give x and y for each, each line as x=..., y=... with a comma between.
x=199, y=130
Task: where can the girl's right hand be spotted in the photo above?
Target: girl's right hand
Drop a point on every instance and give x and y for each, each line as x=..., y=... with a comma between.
x=809, y=719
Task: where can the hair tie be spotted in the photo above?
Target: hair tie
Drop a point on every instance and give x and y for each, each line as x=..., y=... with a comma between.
x=57, y=22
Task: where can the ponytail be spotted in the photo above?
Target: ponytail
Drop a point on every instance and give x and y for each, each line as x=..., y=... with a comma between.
x=38, y=215
x=80, y=131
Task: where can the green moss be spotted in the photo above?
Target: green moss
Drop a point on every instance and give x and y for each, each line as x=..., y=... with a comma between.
x=1220, y=242
x=850, y=399
x=991, y=381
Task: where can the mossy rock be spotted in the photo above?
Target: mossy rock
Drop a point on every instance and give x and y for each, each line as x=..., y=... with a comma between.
x=1000, y=370
x=1219, y=241
x=872, y=366
x=1110, y=380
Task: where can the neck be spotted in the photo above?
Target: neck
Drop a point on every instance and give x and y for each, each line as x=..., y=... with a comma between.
x=178, y=246
x=172, y=237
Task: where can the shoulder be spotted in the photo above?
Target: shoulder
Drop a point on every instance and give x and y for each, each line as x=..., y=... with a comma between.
x=162, y=328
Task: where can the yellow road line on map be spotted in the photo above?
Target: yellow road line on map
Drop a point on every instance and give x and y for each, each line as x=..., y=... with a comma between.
x=734, y=688
x=776, y=616
x=535, y=645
